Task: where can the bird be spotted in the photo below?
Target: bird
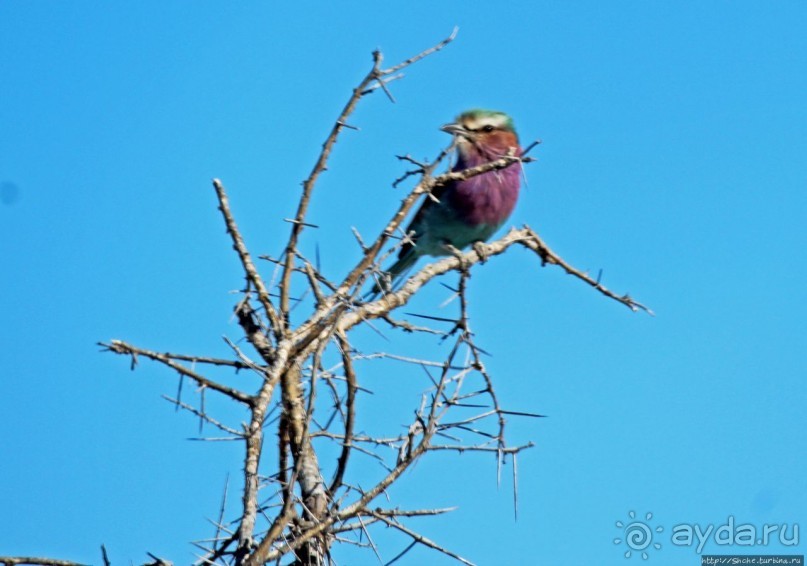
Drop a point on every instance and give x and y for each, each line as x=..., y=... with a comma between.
x=464, y=212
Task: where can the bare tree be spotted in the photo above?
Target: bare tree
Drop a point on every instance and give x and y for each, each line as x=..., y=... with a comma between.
x=300, y=501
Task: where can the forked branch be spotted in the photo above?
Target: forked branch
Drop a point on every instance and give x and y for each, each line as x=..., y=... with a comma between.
x=309, y=379
x=375, y=75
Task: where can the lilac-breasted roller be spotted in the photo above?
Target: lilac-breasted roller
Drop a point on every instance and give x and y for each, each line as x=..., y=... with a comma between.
x=472, y=210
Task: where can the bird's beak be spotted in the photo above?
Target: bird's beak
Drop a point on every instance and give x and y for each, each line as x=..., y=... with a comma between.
x=454, y=129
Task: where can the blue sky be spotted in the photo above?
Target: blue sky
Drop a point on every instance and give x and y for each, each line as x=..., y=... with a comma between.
x=674, y=137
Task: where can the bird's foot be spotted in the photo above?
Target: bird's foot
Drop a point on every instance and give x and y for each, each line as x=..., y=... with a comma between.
x=481, y=250
x=457, y=253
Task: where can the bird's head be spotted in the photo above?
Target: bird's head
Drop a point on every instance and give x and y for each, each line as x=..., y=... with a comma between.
x=484, y=134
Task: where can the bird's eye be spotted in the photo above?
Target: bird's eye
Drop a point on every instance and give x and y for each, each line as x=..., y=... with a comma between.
x=488, y=128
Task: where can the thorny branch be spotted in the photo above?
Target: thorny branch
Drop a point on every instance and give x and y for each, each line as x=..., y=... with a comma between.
x=120, y=347
x=253, y=279
x=291, y=511
x=376, y=75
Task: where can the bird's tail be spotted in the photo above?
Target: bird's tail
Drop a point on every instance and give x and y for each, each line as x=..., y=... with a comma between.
x=387, y=282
